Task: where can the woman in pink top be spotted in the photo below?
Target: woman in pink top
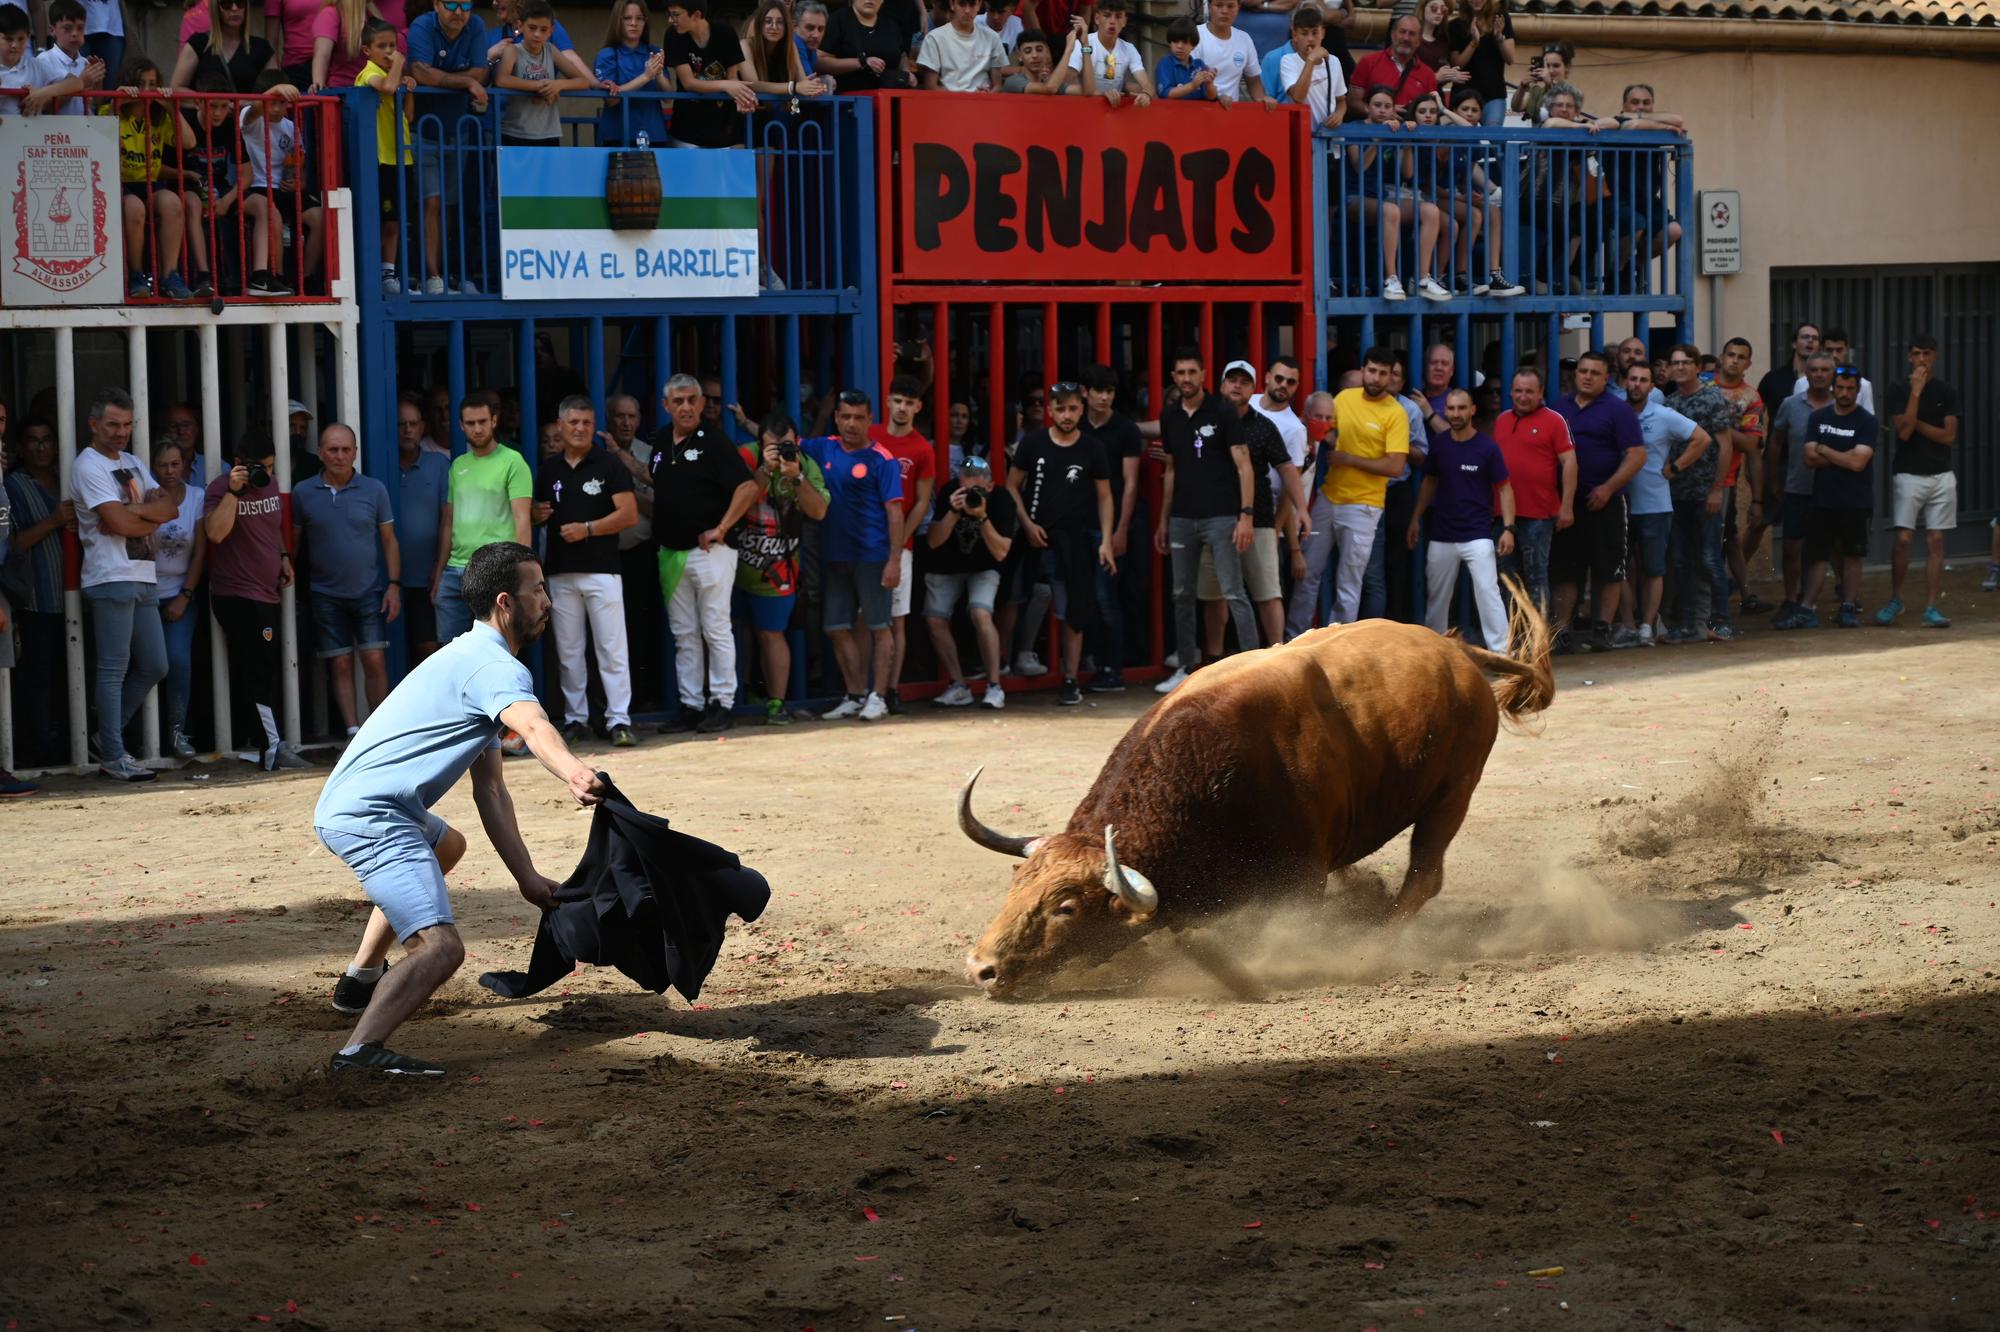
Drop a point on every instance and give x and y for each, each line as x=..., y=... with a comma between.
x=194, y=19
x=288, y=24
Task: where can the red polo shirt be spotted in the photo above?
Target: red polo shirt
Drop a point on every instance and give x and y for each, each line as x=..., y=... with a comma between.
x=1380, y=67
x=1533, y=446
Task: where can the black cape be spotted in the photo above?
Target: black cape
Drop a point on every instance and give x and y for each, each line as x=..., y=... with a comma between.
x=645, y=899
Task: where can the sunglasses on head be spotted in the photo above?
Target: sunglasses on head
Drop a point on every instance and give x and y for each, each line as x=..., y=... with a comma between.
x=1065, y=387
x=852, y=398
x=1846, y=372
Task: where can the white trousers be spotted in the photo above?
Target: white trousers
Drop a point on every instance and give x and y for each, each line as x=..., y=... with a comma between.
x=599, y=601
x=698, y=614
x=1441, y=587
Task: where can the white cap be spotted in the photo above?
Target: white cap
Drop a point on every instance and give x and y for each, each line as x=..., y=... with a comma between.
x=297, y=408
x=1244, y=366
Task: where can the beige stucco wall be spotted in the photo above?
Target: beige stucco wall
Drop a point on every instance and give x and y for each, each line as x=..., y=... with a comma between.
x=1841, y=159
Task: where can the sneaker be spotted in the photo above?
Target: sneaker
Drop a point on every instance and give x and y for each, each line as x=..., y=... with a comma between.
x=285, y=756
x=203, y=286
x=1029, y=665
x=714, y=718
x=12, y=787
x=1850, y=615
x=1679, y=635
x=873, y=708
x=776, y=714
x=1622, y=638
x=182, y=746
x=1752, y=604
x=176, y=287
x=1891, y=609
x=1392, y=289
x=1645, y=635
x=850, y=706
x=1563, y=644
x=1785, y=611
x=1935, y=618
x=1497, y=284
x=1597, y=638
x=622, y=737
x=141, y=288
x=956, y=695
x=376, y=1059
x=1799, y=617
x=575, y=733
x=392, y=286
x=1173, y=661
x=1070, y=694
x=433, y=286
x=894, y=699
x=1108, y=682
x=1992, y=583
x=681, y=722
x=123, y=769
x=1721, y=633
x=1171, y=683
x=264, y=283
x=465, y=287
x=995, y=697
x=1432, y=290
x=351, y=994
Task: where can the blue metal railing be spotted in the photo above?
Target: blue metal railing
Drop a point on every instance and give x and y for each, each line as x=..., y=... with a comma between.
x=806, y=149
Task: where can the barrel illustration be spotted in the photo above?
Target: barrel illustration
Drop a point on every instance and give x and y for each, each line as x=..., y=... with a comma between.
x=632, y=190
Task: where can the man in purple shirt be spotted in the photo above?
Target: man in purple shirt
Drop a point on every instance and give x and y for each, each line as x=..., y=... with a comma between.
x=1465, y=475
x=1609, y=452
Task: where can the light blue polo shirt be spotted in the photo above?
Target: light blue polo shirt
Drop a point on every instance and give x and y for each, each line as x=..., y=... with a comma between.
x=1666, y=433
x=416, y=746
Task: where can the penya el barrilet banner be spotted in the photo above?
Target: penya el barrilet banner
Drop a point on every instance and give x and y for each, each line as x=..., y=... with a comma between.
x=1025, y=189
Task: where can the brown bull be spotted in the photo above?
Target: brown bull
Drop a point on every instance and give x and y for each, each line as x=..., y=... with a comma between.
x=1255, y=780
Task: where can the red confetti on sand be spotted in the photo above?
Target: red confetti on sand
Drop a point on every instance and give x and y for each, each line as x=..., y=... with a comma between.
x=1745, y=925
x=1371, y=1267
x=1253, y=1225
x=870, y=1213
x=1778, y=1136
x=866, y=1257
x=472, y=1207
x=898, y=1085
x=196, y=1260
x=1933, y=1224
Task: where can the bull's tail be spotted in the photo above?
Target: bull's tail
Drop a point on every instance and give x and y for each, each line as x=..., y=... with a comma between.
x=1527, y=682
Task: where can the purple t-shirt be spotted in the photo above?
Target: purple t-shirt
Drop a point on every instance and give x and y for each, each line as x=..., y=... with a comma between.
x=245, y=563
x=1601, y=433
x=1466, y=472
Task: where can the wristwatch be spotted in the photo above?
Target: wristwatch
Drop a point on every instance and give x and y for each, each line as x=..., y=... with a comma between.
x=1509, y=527
x=1247, y=513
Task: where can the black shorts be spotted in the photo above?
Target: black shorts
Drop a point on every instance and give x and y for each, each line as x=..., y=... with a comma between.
x=1837, y=532
x=1594, y=545
x=291, y=203
x=420, y=623
x=388, y=177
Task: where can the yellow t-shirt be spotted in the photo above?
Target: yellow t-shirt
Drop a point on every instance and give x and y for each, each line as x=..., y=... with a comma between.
x=385, y=117
x=143, y=136
x=1366, y=430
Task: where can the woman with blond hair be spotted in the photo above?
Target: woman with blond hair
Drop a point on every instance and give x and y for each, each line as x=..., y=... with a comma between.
x=337, y=54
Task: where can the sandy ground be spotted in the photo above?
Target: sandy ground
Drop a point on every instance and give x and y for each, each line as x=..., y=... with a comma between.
x=1704, y=1017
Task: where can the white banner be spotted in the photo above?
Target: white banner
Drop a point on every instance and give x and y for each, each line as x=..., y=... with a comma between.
x=64, y=231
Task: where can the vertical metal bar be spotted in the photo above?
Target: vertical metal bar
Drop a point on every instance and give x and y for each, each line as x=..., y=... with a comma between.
x=1051, y=343
x=524, y=375
x=594, y=367
x=1509, y=358
x=139, y=380
x=941, y=350
x=663, y=365
x=454, y=375
x=288, y=638
x=1101, y=340
x=211, y=450
x=1256, y=357
x=77, y=674
x=996, y=390
x=1208, y=343
x=789, y=327
x=728, y=375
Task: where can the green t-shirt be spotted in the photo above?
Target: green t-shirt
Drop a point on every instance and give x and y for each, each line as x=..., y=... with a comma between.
x=482, y=494
x=767, y=539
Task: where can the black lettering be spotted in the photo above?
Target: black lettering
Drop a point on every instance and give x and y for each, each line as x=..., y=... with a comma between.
x=942, y=190
x=1055, y=202
x=1156, y=201
x=1205, y=171
x=992, y=207
x=1256, y=182
x=1108, y=233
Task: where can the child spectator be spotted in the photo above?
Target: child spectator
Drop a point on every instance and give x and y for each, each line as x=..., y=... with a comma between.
x=528, y=70
x=1006, y=24
x=209, y=171
x=64, y=59
x=384, y=73
x=271, y=144
x=706, y=57
x=1182, y=74
x=146, y=128
x=1309, y=75
x=773, y=57
x=19, y=70
x=1111, y=65
x=867, y=48
x=1039, y=71
x=964, y=55
x=508, y=29
x=631, y=63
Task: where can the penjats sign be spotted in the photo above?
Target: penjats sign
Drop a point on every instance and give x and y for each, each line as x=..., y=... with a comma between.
x=1027, y=189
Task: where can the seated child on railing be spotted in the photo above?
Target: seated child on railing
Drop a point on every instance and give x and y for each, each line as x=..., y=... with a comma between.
x=146, y=129
x=277, y=191
x=209, y=164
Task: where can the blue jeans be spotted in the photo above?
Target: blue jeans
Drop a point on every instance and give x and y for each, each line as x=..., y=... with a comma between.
x=179, y=635
x=131, y=656
x=1185, y=539
x=1697, y=541
x=1493, y=111
x=1529, y=561
x=454, y=617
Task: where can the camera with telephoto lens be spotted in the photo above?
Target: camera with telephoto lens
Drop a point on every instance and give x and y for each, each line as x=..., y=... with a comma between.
x=788, y=452
x=975, y=498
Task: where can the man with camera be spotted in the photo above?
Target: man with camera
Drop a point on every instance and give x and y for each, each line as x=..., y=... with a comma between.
x=972, y=529
x=791, y=490
x=247, y=566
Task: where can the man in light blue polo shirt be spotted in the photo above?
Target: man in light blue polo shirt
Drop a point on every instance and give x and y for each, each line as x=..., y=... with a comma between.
x=374, y=812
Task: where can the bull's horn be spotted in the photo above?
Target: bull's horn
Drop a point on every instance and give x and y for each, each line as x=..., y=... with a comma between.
x=1132, y=887
x=983, y=835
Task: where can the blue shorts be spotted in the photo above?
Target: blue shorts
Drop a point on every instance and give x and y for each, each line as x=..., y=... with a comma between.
x=343, y=624
x=1649, y=534
x=398, y=868
x=851, y=588
x=767, y=615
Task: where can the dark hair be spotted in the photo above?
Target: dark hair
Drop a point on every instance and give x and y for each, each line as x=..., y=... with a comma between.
x=212, y=80
x=1631, y=88
x=1381, y=356
x=1111, y=6
x=1369, y=96
x=534, y=9
x=109, y=396
x=1037, y=35
x=374, y=28
x=1687, y=349
x=1596, y=356
x=267, y=80
x=61, y=11
x=486, y=398
x=494, y=568
x=1529, y=372
x=128, y=76
x=1836, y=335
x=1923, y=342
x=906, y=386
x=1802, y=325
x=1187, y=353
x=1180, y=30
x=14, y=22
x=576, y=402
x=256, y=445
x=777, y=425
x=1306, y=18
x=1099, y=377
x=853, y=398
x=1744, y=343
x=1290, y=363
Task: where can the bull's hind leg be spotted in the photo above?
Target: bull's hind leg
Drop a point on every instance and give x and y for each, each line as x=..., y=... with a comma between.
x=1430, y=836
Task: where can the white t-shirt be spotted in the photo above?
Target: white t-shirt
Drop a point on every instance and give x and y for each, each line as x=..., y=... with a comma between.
x=1010, y=31
x=1115, y=67
x=24, y=77
x=1866, y=401
x=173, y=544
x=95, y=480
x=962, y=64
x=1290, y=428
x=1230, y=57
x=56, y=67
x=104, y=16
x=260, y=151
x=1328, y=83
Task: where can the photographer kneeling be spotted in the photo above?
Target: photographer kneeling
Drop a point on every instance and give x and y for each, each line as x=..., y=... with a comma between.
x=972, y=529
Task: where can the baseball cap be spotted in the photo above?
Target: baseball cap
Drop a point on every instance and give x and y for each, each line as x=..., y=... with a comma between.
x=1243, y=366
x=297, y=408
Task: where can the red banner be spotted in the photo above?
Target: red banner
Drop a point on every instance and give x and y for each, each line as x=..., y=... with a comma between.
x=1026, y=189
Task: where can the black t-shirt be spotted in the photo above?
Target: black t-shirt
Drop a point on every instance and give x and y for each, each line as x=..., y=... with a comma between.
x=1917, y=456
x=1836, y=487
x=1121, y=440
x=1205, y=484
x=1059, y=482
x=212, y=160
x=1267, y=450
x=692, y=483
x=240, y=69
x=846, y=37
x=963, y=550
x=712, y=123
x=1488, y=67
x=580, y=493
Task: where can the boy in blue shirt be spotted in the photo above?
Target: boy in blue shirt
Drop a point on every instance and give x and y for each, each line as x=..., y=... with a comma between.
x=1182, y=74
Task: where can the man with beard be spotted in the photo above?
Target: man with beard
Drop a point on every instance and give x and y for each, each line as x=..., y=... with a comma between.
x=374, y=811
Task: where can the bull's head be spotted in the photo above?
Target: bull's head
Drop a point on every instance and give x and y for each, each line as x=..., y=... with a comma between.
x=1071, y=900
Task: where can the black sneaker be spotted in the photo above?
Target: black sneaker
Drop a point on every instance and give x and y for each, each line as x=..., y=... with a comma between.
x=1107, y=682
x=575, y=733
x=715, y=718
x=376, y=1059
x=1599, y=638
x=351, y=994
x=681, y=722
x=1069, y=695
x=265, y=283
x=894, y=700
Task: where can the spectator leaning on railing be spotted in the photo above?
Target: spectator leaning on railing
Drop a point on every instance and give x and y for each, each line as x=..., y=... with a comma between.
x=774, y=62
x=65, y=59
x=1182, y=73
x=1309, y=75
x=964, y=55
x=528, y=69
x=707, y=57
x=1111, y=66
x=1039, y=71
x=21, y=70
x=630, y=63
x=447, y=51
